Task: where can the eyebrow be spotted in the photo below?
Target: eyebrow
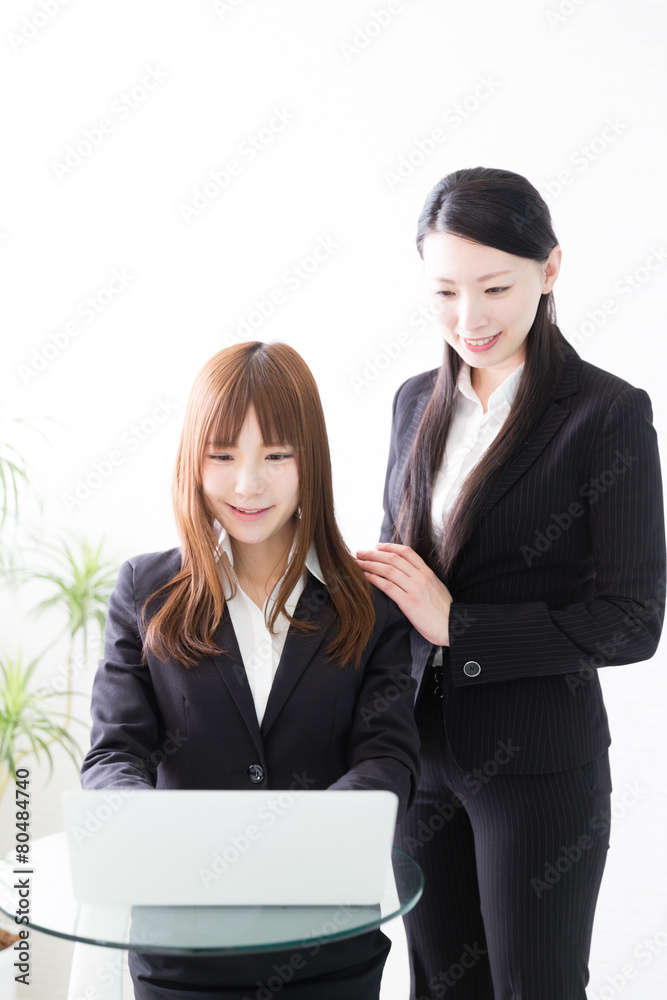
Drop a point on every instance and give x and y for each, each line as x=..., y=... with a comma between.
x=485, y=277
x=225, y=444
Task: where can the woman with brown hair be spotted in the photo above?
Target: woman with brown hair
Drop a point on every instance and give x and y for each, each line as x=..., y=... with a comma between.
x=259, y=640
x=524, y=539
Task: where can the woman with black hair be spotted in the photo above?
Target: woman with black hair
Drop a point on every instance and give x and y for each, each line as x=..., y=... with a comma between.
x=524, y=539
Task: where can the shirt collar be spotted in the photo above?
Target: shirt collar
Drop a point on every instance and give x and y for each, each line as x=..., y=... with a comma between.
x=503, y=395
x=312, y=562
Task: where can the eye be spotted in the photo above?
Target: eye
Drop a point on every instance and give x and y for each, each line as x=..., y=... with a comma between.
x=220, y=458
x=444, y=293
x=495, y=291
x=278, y=456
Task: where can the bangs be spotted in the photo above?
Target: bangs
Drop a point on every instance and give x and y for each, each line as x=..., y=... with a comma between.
x=276, y=406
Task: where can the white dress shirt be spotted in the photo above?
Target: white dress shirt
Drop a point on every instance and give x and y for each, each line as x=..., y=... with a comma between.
x=261, y=651
x=470, y=434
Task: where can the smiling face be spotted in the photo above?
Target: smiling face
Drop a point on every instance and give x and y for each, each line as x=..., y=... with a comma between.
x=253, y=489
x=486, y=299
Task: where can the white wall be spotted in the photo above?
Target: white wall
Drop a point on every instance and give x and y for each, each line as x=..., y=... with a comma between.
x=574, y=100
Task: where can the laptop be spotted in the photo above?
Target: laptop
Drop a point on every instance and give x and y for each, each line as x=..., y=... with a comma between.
x=230, y=848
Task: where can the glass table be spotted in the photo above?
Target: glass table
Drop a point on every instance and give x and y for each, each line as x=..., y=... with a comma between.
x=191, y=930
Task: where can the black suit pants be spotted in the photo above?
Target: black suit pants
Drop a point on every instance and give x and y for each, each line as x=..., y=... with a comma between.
x=513, y=865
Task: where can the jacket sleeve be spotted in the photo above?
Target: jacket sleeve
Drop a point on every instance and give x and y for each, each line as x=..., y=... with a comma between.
x=623, y=620
x=125, y=733
x=383, y=747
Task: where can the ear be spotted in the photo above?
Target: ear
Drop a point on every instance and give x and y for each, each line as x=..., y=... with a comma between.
x=551, y=268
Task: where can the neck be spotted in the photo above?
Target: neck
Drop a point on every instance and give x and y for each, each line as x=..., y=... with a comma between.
x=258, y=568
x=486, y=380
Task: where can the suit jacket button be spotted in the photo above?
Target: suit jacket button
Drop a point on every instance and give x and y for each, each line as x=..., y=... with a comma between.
x=472, y=668
x=256, y=773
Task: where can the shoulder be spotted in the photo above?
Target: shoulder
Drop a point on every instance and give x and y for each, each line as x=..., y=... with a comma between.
x=406, y=398
x=149, y=571
x=605, y=385
x=598, y=391
x=387, y=612
x=410, y=390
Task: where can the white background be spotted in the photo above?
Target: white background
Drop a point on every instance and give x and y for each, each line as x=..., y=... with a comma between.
x=573, y=100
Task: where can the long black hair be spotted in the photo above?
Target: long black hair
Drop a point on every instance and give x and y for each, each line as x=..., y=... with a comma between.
x=499, y=209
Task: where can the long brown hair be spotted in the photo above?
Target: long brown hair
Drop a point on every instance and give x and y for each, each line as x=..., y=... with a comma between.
x=276, y=381
x=500, y=209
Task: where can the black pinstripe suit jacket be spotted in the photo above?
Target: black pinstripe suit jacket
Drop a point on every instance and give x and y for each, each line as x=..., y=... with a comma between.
x=156, y=724
x=564, y=573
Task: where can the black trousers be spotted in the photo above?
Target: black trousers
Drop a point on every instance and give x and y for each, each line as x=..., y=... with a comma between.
x=512, y=864
x=350, y=969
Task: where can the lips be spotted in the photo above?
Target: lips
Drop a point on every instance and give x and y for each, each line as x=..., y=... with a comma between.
x=483, y=344
x=247, y=513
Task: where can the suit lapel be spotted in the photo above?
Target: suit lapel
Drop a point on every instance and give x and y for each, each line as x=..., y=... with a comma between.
x=298, y=651
x=299, y=648
x=547, y=426
x=542, y=433
x=232, y=670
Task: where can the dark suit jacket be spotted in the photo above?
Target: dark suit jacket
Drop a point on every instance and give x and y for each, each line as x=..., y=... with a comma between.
x=161, y=725
x=564, y=572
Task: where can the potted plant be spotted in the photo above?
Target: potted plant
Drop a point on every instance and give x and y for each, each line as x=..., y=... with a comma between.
x=28, y=725
x=81, y=583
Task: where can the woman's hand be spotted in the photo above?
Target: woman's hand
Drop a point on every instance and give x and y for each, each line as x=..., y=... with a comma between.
x=401, y=574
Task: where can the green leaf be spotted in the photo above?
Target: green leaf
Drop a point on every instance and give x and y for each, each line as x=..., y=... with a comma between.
x=25, y=726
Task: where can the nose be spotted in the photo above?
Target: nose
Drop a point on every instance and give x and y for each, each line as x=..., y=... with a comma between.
x=472, y=315
x=249, y=480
